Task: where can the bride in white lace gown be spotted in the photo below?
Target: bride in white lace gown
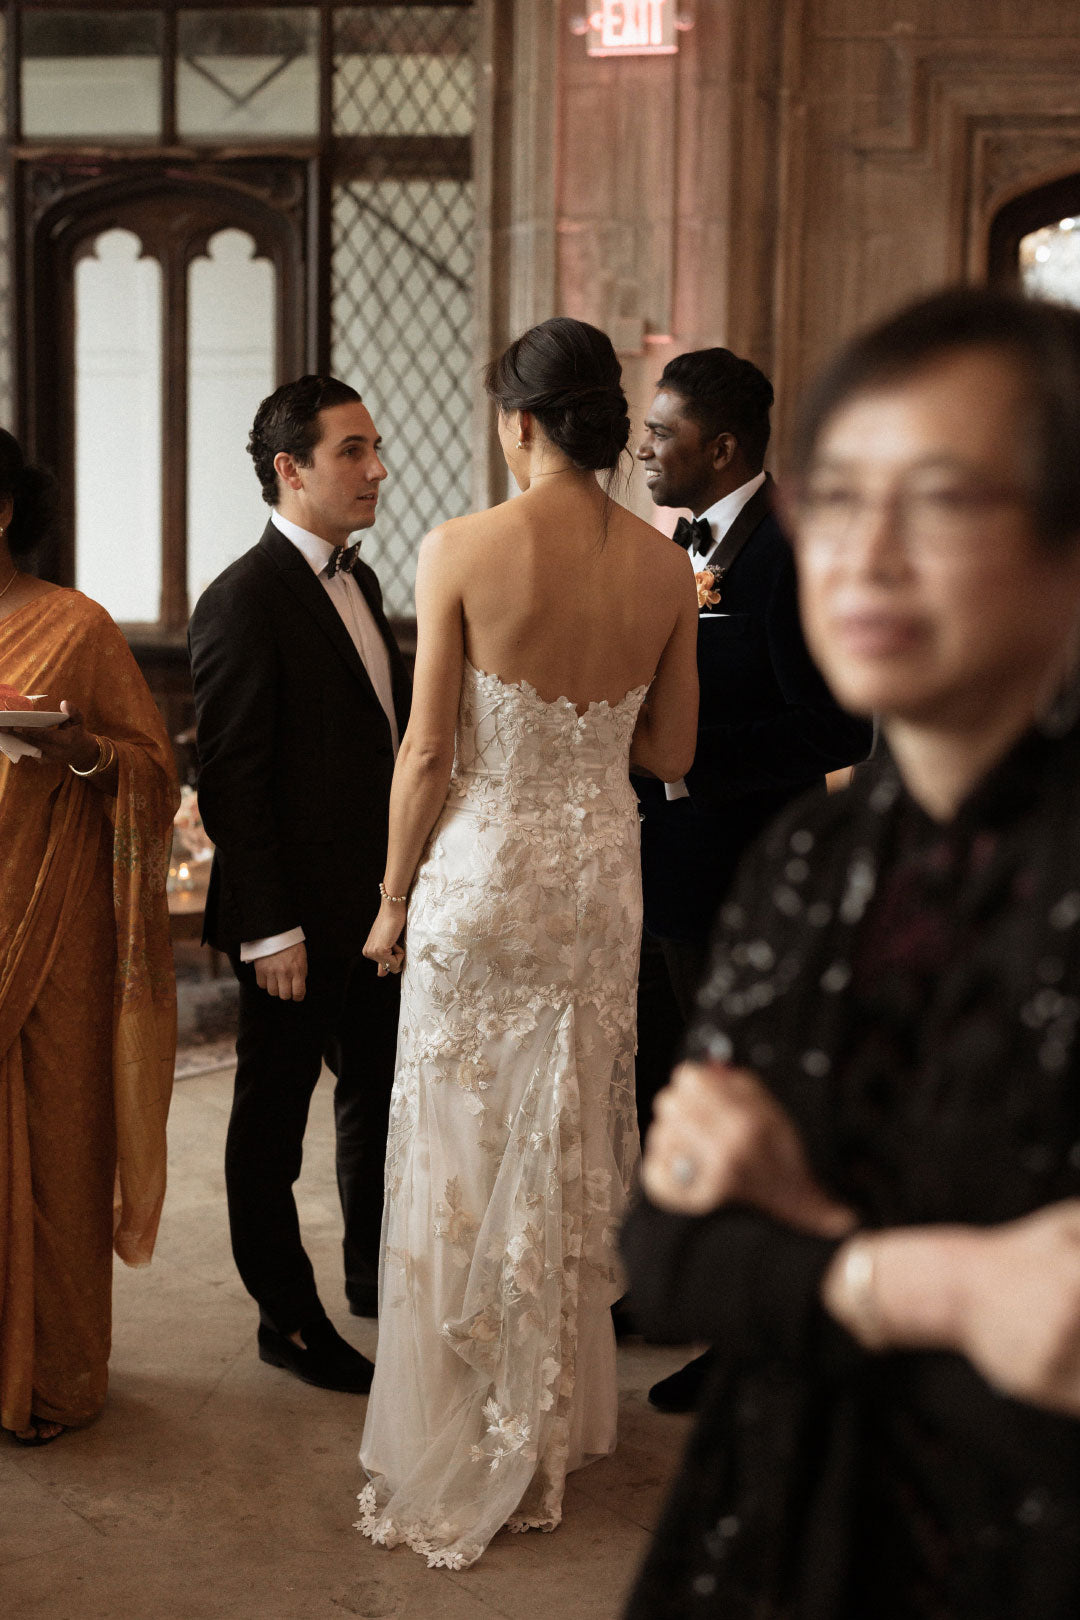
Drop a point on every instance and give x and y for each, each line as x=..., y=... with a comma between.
x=514, y=828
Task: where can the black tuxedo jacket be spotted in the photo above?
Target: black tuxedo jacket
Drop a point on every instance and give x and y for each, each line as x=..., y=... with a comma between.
x=295, y=753
x=768, y=730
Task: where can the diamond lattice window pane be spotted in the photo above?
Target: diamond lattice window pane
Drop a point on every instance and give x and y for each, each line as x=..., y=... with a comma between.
x=402, y=335
x=403, y=70
x=1050, y=262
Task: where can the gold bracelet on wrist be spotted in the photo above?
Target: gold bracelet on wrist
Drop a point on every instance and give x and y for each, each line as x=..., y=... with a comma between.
x=394, y=899
x=857, y=1275
x=98, y=765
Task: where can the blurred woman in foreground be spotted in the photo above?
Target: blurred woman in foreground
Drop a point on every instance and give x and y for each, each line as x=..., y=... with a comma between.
x=87, y=999
x=865, y=1186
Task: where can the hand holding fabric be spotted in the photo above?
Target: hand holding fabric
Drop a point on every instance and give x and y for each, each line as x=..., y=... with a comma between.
x=68, y=743
x=13, y=747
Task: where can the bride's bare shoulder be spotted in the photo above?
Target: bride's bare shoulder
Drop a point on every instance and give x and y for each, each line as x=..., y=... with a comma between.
x=653, y=546
x=461, y=531
x=459, y=538
x=451, y=550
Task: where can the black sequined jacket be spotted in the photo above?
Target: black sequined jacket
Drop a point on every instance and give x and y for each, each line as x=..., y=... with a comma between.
x=911, y=992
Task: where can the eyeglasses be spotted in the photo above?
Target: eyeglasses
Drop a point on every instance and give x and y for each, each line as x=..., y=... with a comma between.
x=940, y=521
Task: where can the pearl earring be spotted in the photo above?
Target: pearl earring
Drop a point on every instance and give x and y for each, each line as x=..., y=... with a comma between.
x=520, y=445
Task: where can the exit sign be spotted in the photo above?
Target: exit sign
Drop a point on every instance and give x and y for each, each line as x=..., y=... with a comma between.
x=633, y=28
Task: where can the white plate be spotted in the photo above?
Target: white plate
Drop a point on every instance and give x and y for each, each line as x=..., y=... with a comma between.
x=29, y=719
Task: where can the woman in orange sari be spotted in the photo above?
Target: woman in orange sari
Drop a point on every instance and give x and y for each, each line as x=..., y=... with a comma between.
x=87, y=997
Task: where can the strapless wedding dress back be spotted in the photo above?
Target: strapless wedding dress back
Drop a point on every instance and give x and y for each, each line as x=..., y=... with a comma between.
x=513, y=1134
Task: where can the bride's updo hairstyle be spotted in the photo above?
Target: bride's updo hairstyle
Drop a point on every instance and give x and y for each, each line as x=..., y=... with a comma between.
x=566, y=374
x=32, y=493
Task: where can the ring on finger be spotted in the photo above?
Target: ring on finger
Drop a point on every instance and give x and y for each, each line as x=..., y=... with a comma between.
x=684, y=1170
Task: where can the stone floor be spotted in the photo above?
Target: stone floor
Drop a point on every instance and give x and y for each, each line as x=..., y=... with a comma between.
x=214, y=1486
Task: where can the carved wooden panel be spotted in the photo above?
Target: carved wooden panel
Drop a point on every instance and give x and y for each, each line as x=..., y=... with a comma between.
x=912, y=123
x=802, y=166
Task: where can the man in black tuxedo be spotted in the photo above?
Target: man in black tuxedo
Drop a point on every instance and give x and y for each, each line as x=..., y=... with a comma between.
x=301, y=697
x=769, y=728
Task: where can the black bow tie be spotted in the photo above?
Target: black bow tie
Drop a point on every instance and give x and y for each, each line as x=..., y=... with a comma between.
x=693, y=534
x=343, y=559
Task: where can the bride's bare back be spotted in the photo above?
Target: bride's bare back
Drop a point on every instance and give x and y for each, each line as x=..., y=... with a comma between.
x=553, y=595
x=570, y=592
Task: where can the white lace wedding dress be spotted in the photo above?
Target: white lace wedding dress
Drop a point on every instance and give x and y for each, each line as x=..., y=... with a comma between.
x=513, y=1136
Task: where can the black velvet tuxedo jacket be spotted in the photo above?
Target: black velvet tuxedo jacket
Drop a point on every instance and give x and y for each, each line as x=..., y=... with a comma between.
x=768, y=730
x=295, y=753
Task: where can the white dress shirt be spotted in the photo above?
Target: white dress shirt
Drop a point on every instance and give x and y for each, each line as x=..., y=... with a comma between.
x=720, y=516
x=355, y=614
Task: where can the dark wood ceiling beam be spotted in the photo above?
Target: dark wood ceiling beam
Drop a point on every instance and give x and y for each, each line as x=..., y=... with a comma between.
x=402, y=157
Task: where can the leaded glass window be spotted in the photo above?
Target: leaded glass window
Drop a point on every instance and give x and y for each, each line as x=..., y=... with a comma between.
x=91, y=74
x=402, y=335
x=247, y=75
x=355, y=122
x=404, y=70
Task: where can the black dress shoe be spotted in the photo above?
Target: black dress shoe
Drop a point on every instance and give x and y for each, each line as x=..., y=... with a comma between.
x=681, y=1391
x=622, y=1318
x=324, y=1358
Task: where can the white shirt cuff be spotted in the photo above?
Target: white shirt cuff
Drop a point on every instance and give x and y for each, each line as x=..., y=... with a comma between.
x=676, y=790
x=252, y=949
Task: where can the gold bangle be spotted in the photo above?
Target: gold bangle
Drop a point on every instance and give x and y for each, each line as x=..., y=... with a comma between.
x=99, y=763
x=394, y=899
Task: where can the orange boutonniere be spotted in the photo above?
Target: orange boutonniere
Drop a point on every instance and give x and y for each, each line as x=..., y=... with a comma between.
x=707, y=594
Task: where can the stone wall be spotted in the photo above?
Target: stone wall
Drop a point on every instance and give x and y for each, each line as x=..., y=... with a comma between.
x=798, y=168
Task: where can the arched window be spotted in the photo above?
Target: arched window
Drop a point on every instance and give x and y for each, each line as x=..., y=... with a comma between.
x=118, y=393
x=164, y=306
x=1035, y=242
x=1050, y=261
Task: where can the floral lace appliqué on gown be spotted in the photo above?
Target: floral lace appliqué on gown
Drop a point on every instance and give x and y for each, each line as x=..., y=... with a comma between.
x=513, y=1135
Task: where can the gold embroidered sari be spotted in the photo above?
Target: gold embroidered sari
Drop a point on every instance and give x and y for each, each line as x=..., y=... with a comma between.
x=87, y=1012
